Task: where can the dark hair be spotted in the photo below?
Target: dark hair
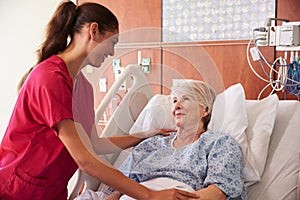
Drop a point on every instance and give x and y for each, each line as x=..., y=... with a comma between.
x=67, y=20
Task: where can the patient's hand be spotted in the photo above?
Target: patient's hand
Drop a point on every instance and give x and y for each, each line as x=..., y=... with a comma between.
x=211, y=192
x=114, y=196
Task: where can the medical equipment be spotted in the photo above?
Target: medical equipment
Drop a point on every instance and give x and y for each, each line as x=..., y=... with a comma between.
x=280, y=179
x=283, y=74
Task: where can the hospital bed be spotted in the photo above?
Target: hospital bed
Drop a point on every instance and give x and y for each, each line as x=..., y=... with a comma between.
x=268, y=131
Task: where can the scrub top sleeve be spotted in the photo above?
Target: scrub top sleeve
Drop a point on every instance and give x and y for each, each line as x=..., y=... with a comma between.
x=52, y=100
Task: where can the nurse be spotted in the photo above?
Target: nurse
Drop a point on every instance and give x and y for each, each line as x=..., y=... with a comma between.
x=43, y=144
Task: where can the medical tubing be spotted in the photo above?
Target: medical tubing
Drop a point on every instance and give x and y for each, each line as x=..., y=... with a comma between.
x=281, y=76
x=263, y=69
x=294, y=78
x=264, y=59
x=251, y=67
x=264, y=90
x=288, y=75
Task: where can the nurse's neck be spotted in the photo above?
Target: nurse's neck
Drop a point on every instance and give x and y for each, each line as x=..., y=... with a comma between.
x=73, y=60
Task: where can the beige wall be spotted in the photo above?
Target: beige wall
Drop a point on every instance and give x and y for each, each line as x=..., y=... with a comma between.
x=22, y=27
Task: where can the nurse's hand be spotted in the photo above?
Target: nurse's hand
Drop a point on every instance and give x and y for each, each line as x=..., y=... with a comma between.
x=172, y=194
x=151, y=133
x=164, y=132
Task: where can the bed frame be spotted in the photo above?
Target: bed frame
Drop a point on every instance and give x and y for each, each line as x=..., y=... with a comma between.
x=138, y=93
x=281, y=178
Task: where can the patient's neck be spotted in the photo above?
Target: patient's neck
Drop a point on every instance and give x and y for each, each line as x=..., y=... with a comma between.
x=186, y=136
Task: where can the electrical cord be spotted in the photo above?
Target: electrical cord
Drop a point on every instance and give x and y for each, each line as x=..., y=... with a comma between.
x=249, y=62
x=288, y=75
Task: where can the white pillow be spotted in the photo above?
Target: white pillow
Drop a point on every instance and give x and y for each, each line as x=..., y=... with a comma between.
x=157, y=114
x=229, y=112
x=230, y=117
x=261, y=119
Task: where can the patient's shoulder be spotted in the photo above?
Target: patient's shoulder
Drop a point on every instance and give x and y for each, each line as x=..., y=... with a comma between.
x=216, y=135
x=216, y=138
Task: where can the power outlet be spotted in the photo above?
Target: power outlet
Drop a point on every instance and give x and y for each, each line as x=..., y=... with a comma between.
x=102, y=84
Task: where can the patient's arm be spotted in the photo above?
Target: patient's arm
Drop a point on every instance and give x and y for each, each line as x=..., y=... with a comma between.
x=211, y=192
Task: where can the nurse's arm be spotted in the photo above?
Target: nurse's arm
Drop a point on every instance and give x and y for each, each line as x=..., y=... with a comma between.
x=72, y=134
x=79, y=147
x=106, y=145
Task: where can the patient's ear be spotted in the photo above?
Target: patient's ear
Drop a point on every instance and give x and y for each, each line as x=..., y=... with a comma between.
x=205, y=113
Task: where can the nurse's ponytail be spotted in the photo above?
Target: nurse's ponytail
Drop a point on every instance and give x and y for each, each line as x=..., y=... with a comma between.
x=59, y=28
x=67, y=20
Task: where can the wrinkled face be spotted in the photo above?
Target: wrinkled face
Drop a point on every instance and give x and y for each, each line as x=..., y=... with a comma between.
x=104, y=47
x=186, y=110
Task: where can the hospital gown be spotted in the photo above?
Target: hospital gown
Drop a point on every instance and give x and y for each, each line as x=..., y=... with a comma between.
x=215, y=158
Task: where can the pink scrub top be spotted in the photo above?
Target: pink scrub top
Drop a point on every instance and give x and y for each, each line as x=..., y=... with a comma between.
x=34, y=163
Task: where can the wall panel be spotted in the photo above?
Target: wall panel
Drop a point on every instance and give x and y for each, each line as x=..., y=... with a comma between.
x=221, y=64
x=134, y=16
x=140, y=22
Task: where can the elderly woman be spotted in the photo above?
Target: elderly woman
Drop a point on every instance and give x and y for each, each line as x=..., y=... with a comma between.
x=192, y=158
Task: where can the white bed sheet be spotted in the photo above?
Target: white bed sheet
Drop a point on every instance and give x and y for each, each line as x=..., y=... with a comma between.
x=280, y=175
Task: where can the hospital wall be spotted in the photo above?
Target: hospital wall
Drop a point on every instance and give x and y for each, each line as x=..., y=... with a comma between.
x=221, y=62
x=22, y=28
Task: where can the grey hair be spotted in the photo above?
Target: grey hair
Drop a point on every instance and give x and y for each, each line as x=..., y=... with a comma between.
x=203, y=93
